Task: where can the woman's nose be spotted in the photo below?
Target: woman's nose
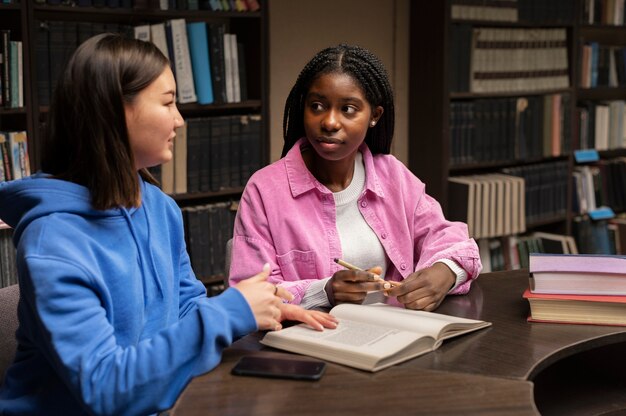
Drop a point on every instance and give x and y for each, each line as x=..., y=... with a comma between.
x=330, y=122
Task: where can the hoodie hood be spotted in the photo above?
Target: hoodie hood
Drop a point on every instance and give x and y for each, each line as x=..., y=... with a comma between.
x=25, y=200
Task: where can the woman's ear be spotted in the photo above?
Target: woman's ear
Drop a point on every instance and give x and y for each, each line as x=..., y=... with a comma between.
x=376, y=114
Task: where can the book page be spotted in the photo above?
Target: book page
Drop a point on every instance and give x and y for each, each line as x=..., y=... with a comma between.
x=358, y=344
x=436, y=325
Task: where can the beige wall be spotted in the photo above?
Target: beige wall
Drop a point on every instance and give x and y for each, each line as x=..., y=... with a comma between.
x=300, y=28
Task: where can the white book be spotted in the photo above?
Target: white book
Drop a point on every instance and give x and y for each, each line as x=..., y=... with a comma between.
x=142, y=32
x=18, y=145
x=373, y=337
x=20, y=75
x=163, y=4
x=235, y=67
x=157, y=35
x=186, y=90
x=228, y=72
x=180, y=160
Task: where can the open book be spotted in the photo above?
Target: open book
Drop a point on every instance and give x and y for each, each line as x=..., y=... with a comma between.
x=373, y=337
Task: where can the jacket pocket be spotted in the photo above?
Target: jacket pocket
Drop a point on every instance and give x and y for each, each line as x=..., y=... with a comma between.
x=297, y=265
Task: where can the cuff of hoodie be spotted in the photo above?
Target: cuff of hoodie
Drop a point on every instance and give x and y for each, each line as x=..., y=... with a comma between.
x=239, y=309
x=461, y=274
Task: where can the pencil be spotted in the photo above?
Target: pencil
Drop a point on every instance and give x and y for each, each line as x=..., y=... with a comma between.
x=353, y=267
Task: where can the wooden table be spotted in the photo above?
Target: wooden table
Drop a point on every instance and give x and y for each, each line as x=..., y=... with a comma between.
x=513, y=367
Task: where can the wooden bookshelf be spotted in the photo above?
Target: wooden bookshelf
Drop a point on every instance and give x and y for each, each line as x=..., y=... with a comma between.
x=431, y=94
x=23, y=19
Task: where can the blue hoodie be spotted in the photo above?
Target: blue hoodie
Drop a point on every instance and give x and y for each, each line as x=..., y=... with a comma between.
x=112, y=318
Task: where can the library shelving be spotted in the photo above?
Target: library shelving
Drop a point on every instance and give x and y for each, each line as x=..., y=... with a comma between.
x=50, y=31
x=494, y=88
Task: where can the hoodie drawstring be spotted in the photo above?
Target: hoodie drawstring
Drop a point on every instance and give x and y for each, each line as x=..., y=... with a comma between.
x=141, y=261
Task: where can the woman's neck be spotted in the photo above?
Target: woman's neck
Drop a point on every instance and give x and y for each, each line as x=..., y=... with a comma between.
x=336, y=175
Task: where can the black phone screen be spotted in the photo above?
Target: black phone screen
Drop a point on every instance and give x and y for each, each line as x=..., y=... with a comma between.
x=279, y=368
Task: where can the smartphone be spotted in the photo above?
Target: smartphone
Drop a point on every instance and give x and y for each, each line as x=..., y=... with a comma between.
x=263, y=366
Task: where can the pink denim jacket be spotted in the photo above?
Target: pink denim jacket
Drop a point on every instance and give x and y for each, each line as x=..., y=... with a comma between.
x=287, y=218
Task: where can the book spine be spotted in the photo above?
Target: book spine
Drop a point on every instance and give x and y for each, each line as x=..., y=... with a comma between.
x=5, y=49
x=216, y=51
x=184, y=76
x=201, y=67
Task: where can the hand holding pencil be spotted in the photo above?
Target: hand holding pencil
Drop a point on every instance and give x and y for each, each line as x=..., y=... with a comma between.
x=376, y=276
x=352, y=285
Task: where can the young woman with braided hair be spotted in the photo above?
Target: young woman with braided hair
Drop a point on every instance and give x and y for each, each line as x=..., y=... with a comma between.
x=338, y=193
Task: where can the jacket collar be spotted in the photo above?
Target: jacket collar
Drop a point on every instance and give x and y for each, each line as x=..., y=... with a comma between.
x=301, y=180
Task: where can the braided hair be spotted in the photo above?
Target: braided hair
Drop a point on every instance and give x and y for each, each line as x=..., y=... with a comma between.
x=370, y=74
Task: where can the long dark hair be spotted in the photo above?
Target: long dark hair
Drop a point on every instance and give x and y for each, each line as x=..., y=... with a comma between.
x=367, y=70
x=87, y=141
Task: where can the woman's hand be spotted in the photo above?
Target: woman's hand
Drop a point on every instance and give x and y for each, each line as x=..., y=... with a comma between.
x=426, y=288
x=316, y=319
x=264, y=299
x=351, y=286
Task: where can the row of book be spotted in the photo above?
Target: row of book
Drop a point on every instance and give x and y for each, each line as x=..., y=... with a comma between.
x=14, y=159
x=207, y=229
x=8, y=264
x=488, y=60
x=602, y=65
x=600, y=184
x=513, y=10
x=212, y=154
x=11, y=71
x=491, y=205
x=501, y=204
x=600, y=236
x=507, y=129
x=546, y=189
x=214, y=5
x=208, y=62
x=55, y=42
x=601, y=125
x=577, y=289
x=512, y=252
x=604, y=12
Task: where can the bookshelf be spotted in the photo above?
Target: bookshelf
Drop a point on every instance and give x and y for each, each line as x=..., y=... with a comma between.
x=34, y=24
x=442, y=99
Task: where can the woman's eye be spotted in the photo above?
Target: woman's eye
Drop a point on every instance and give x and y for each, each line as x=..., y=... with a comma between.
x=349, y=109
x=316, y=106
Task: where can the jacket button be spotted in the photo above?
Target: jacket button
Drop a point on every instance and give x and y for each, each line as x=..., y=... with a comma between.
x=383, y=235
x=403, y=266
x=363, y=204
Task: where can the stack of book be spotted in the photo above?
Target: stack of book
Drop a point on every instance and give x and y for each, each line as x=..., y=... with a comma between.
x=577, y=289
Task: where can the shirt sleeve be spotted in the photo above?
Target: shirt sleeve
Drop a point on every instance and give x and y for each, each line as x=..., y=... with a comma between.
x=437, y=239
x=315, y=295
x=461, y=275
x=253, y=246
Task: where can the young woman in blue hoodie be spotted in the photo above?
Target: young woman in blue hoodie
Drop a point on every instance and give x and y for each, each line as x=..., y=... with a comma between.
x=112, y=318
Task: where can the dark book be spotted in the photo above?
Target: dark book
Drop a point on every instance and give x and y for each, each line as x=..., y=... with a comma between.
x=206, y=158
x=5, y=48
x=216, y=51
x=5, y=151
x=220, y=151
x=243, y=74
x=252, y=140
x=194, y=132
x=234, y=161
x=84, y=31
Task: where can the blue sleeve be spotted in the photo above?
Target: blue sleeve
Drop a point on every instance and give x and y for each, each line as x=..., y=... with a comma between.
x=76, y=335
x=191, y=289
